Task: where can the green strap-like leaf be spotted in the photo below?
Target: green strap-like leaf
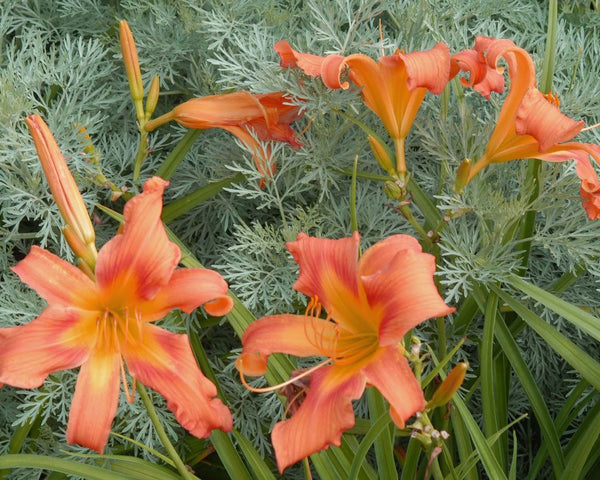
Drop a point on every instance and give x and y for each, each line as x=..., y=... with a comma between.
x=572, y=313
x=511, y=350
x=574, y=356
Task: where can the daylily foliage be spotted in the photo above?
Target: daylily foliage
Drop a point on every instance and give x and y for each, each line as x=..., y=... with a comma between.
x=371, y=303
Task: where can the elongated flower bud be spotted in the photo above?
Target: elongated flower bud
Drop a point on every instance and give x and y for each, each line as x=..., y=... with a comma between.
x=152, y=99
x=449, y=386
x=381, y=155
x=132, y=67
x=81, y=236
x=462, y=175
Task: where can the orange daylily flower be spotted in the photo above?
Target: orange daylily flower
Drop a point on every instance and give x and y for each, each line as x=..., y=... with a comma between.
x=241, y=113
x=371, y=303
x=531, y=126
x=393, y=87
x=105, y=323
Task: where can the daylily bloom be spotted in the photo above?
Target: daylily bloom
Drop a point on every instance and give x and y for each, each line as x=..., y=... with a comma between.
x=530, y=125
x=371, y=303
x=393, y=87
x=105, y=323
x=78, y=231
x=241, y=113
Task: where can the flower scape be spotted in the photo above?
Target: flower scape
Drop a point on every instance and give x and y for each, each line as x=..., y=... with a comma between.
x=400, y=240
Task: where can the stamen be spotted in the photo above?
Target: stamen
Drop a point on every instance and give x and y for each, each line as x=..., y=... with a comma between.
x=115, y=337
x=305, y=129
x=105, y=330
x=281, y=385
x=591, y=127
x=552, y=98
x=128, y=396
x=315, y=334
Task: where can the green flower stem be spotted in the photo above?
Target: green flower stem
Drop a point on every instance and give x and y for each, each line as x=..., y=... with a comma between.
x=162, y=435
x=534, y=166
x=142, y=153
x=405, y=210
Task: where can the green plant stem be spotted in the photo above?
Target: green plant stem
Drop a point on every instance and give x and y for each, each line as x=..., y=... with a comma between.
x=142, y=153
x=162, y=435
x=405, y=210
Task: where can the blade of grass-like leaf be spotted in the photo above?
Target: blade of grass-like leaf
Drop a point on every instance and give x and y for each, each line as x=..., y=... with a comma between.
x=169, y=166
x=463, y=445
x=411, y=462
x=574, y=356
x=581, y=445
x=512, y=473
x=542, y=415
x=350, y=447
x=578, y=317
x=138, y=469
x=489, y=389
x=255, y=461
x=570, y=409
x=488, y=459
x=436, y=370
x=379, y=427
x=468, y=465
x=54, y=464
x=384, y=441
x=184, y=204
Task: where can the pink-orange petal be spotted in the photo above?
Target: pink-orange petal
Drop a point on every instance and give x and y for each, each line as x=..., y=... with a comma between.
x=326, y=267
x=429, y=69
x=188, y=288
x=95, y=401
x=390, y=373
x=323, y=416
x=379, y=255
x=483, y=78
x=537, y=117
x=406, y=293
x=164, y=362
x=140, y=260
x=56, y=340
x=297, y=335
x=55, y=280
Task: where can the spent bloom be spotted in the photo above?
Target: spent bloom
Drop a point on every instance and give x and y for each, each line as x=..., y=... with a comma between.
x=393, y=87
x=371, y=303
x=267, y=116
x=105, y=324
x=530, y=124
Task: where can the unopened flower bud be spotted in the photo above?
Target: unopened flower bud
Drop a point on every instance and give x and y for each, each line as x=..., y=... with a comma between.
x=132, y=67
x=381, y=154
x=462, y=175
x=393, y=191
x=81, y=235
x=152, y=99
x=449, y=386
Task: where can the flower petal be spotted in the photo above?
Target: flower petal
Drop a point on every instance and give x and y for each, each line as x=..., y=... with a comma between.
x=406, y=293
x=141, y=260
x=429, y=69
x=95, y=401
x=483, y=78
x=390, y=373
x=56, y=340
x=298, y=335
x=164, y=362
x=329, y=67
x=537, y=117
x=55, y=280
x=187, y=289
x=323, y=416
x=325, y=265
x=328, y=269
x=379, y=255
